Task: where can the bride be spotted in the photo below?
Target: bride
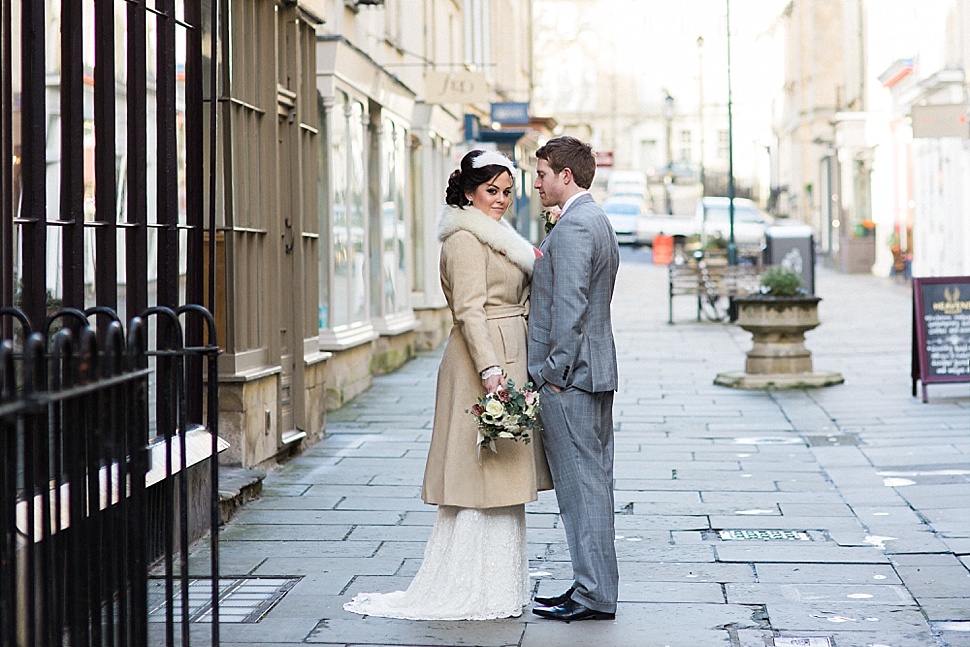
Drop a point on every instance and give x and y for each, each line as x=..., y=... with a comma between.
x=475, y=564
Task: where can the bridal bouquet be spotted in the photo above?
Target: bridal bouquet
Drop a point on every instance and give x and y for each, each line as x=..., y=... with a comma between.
x=510, y=413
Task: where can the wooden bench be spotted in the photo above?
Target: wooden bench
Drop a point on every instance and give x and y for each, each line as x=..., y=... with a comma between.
x=711, y=284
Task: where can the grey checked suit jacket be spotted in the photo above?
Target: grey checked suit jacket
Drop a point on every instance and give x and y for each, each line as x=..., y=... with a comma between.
x=570, y=328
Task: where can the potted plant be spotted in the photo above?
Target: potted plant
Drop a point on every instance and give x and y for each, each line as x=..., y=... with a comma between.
x=778, y=315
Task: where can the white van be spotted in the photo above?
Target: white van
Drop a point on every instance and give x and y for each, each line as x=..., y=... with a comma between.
x=627, y=183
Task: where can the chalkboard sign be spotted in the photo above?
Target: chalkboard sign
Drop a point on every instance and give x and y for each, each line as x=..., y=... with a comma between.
x=941, y=330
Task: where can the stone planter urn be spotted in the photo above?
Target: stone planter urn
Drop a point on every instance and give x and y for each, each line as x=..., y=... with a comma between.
x=778, y=359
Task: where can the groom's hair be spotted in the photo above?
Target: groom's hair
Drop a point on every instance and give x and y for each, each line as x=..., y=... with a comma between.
x=569, y=152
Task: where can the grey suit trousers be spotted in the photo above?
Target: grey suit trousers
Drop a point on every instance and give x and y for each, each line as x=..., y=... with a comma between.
x=577, y=433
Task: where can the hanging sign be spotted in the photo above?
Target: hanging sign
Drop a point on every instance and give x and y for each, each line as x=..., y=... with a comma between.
x=459, y=86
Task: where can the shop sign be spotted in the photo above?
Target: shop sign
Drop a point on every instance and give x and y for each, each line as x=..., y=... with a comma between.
x=459, y=86
x=946, y=120
x=510, y=112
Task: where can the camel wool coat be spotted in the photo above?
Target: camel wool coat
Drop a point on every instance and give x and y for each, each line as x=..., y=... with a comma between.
x=485, y=271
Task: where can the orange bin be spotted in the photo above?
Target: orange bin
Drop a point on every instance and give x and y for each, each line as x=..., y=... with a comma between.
x=663, y=249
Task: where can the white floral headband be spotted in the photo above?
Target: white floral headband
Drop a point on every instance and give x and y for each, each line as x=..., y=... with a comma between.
x=493, y=158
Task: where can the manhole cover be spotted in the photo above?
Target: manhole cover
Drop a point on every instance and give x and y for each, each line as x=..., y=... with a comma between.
x=241, y=600
x=763, y=535
x=803, y=641
x=832, y=441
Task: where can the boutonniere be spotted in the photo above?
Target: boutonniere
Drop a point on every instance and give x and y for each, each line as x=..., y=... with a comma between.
x=551, y=217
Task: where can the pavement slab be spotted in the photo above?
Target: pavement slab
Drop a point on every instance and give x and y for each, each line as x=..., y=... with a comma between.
x=880, y=480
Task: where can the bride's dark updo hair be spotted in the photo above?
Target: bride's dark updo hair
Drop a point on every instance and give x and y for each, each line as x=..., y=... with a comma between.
x=467, y=178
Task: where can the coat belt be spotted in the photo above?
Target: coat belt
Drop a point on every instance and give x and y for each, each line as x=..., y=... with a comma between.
x=506, y=311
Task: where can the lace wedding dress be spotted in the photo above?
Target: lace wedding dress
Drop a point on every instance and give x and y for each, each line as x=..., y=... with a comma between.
x=475, y=568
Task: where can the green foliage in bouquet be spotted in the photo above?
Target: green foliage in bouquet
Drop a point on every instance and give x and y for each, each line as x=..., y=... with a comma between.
x=510, y=413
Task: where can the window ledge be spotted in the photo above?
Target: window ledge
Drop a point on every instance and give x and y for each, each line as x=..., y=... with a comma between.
x=198, y=447
x=344, y=337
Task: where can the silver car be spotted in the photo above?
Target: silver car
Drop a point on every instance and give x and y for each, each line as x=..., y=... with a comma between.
x=624, y=213
x=712, y=219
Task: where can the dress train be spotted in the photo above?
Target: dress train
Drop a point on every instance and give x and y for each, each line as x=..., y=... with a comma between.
x=475, y=568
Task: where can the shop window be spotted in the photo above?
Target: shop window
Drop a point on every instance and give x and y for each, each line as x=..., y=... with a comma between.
x=343, y=296
x=396, y=286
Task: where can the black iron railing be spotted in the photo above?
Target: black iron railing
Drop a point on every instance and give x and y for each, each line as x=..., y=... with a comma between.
x=79, y=470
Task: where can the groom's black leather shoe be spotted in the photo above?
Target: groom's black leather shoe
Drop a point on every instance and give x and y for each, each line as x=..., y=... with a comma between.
x=556, y=600
x=572, y=611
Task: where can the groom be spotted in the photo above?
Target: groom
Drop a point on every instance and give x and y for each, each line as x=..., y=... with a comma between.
x=572, y=359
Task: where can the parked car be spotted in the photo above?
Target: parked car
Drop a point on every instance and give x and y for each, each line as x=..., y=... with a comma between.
x=622, y=182
x=711, y=217
x=625, y=214
x=669, y=225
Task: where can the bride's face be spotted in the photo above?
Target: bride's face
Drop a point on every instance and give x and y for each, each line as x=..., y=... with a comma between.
x=494, y=196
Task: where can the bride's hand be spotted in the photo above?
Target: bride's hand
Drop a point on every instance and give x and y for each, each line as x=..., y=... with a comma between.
x=494, y=383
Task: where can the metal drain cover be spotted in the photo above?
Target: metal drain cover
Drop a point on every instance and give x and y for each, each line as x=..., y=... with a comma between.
x=241, y=600
x=763, y=535
x=805, y=641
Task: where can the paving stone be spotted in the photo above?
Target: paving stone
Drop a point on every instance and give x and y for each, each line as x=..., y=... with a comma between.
x=646, y=552
x=885, y=619
x=792, y=509
x=645, y=625
x=282, y=533
x=384, y=504
x=316, y=517
x=935, y=581
x=955, y=639
x=799, y=552
x=343, y=569
x=761, y=499
x=958, y=545
x=274, y=489
x=842, y=574
x=685, y=572
x=951, y=522
x=670, y=592
x=784, y=522
x=269, y=629
x=870, y=496
x=756, y=454
x=741, y=485
x=305, y=501
x=333, y=551
x=308, y=602
x=640, y=521
x=763, y=593
x=906, y=638
x=943, y=609
x=697, y=508
x=375, y=491
x=389, y=533
x=385, y=631
x=655, y=496
x=318, y=548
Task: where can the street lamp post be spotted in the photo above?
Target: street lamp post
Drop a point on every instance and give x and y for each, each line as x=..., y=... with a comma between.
x=732, y=250
x=700, y=105
x=668, y=115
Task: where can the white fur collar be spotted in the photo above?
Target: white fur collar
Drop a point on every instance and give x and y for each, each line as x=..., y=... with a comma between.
x=499, y=235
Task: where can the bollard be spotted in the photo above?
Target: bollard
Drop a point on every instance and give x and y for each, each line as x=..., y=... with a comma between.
x=663, y=249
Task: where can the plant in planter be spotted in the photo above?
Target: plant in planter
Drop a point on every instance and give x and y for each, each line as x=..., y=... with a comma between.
x=781, y=282
x=778, y=316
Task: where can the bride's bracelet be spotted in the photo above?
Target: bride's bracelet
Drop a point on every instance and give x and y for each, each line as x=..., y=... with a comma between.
x=491, y=371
